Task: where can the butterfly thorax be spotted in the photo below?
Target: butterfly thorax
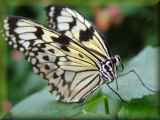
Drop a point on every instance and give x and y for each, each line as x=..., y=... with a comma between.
x=108, y=68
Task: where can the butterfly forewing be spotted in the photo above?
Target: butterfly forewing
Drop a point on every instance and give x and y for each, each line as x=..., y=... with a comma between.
x=71, y=71
x=75, y=26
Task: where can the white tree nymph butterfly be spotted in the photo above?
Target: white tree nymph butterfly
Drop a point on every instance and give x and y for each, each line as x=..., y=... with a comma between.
x=69, y=53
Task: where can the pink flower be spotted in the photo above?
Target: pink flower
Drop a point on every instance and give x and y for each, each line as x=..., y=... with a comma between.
x=16, y=55
x=106, y=17
x=6, y=106
x=116, y=14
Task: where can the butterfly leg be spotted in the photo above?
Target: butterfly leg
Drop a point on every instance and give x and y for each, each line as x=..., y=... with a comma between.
x=116, y=93
x=139, y=78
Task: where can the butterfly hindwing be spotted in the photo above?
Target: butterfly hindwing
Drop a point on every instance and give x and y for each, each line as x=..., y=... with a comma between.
x=75, y=26
x=71, y=71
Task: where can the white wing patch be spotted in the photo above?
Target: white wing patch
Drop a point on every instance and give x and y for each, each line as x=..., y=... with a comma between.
x=27, y=36
x=63, y=26
x=25, y=29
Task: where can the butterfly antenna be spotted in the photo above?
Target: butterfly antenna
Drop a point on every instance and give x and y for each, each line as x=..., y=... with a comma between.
x=116, y=84
x=116, y=93
x=139, y=78
x=122, y=67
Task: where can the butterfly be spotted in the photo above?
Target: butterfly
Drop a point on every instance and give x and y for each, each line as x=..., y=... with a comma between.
x=70, y=53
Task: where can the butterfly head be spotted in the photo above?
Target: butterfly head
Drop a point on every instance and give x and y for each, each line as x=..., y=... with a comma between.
x=109, y=68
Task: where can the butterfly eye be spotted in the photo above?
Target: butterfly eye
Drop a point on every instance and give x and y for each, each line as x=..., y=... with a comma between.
x=110, y=64
x=105, y=66
x=116, y=60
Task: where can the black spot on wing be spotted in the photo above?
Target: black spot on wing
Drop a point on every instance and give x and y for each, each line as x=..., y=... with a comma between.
x=56, y=60
x=51, y=50
x=46, y=58
x=55, y=76
x=64, y=48
x=39, y=32
x=12, y=24
x=87, y=34
x=41, y=47
x=47, y=67
x=73, y=23
x=63, y=41
x=57, y=11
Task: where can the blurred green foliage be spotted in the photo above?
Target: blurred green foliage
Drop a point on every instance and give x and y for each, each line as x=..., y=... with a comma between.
x=138, y=30
x=3, y=54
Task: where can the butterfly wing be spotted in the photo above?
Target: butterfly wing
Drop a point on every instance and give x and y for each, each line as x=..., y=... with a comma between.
x=71, y=71
x=75, y=26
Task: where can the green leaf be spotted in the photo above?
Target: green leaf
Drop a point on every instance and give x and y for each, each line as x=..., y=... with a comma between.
x=148, y=107
x=44, y=105
x=98, y=104
x=33, y=83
